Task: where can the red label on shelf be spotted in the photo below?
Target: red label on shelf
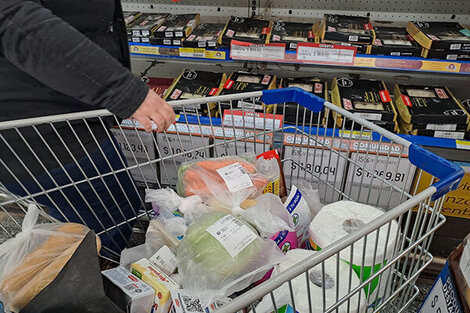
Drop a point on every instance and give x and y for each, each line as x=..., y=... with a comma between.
x=368, y=26
x=228, y=84
x=310, y=34
x=441, y=93
x=406, y=100
x=318, y=88
x=385, y=96
x=265, y=30
x=213, y=91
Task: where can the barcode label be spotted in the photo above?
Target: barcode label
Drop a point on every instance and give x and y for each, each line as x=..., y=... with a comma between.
x=353, y=38
x=235, y=177
x=129, y=287
x=448, y=127
x=232, y=234
x=191, y=304
x=455, y=46
x=449, y=135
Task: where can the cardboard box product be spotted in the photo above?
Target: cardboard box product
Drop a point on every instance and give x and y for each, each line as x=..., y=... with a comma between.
x=451, y=55
x=246, y=29
x=447, y=36
x=158, y=280
x=292, y=33
x=127, y=291
x=394, y=41
x=177, y=26
x=459, y=260
x=297, y=114
x=130, y=17
x=343, y=28
x=239, y=82
x=159, y=85
x=204, y=36
x=146, y=24
x=429, y=104
x=192, y=84
x=368, y=99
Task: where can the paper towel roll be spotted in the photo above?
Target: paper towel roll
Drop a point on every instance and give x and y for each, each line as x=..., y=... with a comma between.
x=357, y=303
x=338, y=220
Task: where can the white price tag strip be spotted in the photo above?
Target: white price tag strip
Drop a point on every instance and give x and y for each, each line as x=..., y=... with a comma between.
x=247, y=51
x=232, y=234
x=165, y=260
x=235, y=177
x=325, y=54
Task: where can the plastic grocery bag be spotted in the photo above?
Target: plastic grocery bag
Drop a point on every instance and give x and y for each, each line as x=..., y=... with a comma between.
x=221, y=254
x=33, y=259
x=222, y=183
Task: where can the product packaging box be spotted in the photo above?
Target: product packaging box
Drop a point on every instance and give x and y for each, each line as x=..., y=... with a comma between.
x=361, y=49
x=130, y=17
x=425, y=108
x=177, y=26
x=297, y=114
x=451, y=55
x=343, y=28
x=459, y=260
x=192, y=84
x=292, y=33
x=394, y=41
x=158, y=280
x=204, y=36
x=446, y=36
x=239, y=82
x=166, y=41
x=159, y=85
x=146, y=24
x=246, y=29
x=127, y=291
x=368, y=99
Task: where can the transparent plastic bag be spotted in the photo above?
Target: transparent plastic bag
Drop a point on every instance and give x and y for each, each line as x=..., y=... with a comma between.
x=221, y=254
x=30, y=261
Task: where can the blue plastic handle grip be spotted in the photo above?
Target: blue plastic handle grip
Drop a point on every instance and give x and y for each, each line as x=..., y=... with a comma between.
x=449, y=174
x=294, y=94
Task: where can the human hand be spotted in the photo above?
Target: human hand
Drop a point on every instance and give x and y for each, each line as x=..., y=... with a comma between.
x=155, y=109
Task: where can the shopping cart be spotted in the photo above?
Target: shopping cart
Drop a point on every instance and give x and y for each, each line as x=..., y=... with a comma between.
x=360, y=162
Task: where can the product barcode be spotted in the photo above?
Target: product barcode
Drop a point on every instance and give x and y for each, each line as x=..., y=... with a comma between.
x=242, y=170
x=455, y=46
x=129, y=287
x=353, y=38
x=192, y=305
x=237, y=222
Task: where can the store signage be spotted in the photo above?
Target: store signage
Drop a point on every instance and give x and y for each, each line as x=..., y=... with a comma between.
x=250, y=51
x=325, y=54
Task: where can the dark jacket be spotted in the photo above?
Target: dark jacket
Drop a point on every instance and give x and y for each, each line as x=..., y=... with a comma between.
x=61, y=56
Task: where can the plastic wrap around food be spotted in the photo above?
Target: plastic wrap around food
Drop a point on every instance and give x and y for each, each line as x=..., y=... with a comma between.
x=221, y=182
x=335, y=286
x=33, y=259
x=221, y=254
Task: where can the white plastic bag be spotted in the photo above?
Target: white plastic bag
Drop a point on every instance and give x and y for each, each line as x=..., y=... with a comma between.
x=33, y=259
x=311, y=194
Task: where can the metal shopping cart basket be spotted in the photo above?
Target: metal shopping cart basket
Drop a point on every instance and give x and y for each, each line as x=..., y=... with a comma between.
x=76, y=169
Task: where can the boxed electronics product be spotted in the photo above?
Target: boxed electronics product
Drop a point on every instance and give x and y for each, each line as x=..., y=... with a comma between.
x=440, y=35
x=343, y=28
x=394, y=41
x=429, y=105
x=127, y=291
x=292, y=33
x=451, y=55
x=246, y=29
x=239, y=82
x=159, y=85
x=204, y=36
x=192, y=84
x=130, y=17
x=146, y=24
x=297, y=114
x=368, y=99
x=177, y=26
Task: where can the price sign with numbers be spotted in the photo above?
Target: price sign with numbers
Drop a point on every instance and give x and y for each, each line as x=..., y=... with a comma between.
x=249, y=51
x=324, y=53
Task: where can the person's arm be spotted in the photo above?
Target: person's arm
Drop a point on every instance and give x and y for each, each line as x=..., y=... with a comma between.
x=49, y=49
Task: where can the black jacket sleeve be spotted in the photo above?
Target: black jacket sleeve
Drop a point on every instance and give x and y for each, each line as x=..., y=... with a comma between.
x=51, y=50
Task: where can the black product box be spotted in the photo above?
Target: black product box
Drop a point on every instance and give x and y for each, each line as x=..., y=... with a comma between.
x=343, y=28
x=297, y=114
x=177, y=26
x=368, y=99
x=130, y=17
x=246, y=29
x=425, y=104
x=362, y=49
x=204, y=36
x=447, y=36
x=394, y=41
x=146, y=24
x=442, y=133
x=292, y=33
x=454, y=55
x=193, y=84
x=166, y=41
x=239, y=82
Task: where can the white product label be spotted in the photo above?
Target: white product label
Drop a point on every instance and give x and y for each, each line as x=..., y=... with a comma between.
x=448, y=127
x=179, y=34
x=464, y=263
x=145, y=33
x=322, y=54
x=127, y=282
x=235, y=177
x=167, y=42
x=165, y=260
x=257, y=52
x=169, y=34
x=395, y=53
x=136, y=33
x=145, y=39
x=449, y=135
x=369, y=116
x=456, y=46
x=353, y=38
x=232, y=234
x=436, y=300
x=452, y=57
x=185, y=302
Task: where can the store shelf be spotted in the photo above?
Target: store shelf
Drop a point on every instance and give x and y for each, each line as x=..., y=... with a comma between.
x=360, y=61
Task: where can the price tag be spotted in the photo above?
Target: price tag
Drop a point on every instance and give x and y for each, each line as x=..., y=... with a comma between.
x=248, y=51
x=232, y=234
x=235, y=177
x=319, y=53
x=192, y=53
